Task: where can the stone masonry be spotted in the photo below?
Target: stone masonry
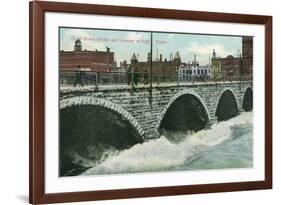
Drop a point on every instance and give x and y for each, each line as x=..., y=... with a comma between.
x=144, y=109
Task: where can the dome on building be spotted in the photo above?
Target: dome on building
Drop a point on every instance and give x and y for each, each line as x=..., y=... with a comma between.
x=78, y=42
x=177, y=56
x=134, y=58
x=77, y=45
x=230, y=56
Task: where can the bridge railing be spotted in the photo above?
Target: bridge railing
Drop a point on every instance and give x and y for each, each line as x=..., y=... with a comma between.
x=73, y=78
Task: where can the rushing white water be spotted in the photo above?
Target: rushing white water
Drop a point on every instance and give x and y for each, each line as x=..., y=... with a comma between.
x=229, y=140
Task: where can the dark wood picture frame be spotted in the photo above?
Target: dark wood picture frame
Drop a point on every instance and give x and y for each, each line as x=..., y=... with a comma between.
x=37, y=10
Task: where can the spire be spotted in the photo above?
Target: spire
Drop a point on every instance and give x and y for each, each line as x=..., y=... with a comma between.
x=171, y=57
x=214, y=53
x=156, y=59
x=238, y=53
x=148, y=57
x=195, y=62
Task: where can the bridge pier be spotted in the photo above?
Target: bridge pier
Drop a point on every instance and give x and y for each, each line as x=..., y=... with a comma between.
x=241, y=110
x=213, y=120
x=152, y=134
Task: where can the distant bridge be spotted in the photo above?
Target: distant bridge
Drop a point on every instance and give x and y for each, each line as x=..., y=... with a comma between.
x=174, y=107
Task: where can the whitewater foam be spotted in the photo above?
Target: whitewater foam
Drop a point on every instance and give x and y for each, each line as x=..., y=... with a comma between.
x=162, y=154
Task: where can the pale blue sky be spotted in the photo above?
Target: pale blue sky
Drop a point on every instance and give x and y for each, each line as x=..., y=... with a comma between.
x=125, y=43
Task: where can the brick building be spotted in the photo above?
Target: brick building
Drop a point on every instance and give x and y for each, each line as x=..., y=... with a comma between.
x=235, y=66
x=247, y=54
x=229, y=66
x=79, y=59
x=216, y=68
x=169, y=67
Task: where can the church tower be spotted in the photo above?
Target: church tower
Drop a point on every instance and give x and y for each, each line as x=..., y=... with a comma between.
x=78, y=46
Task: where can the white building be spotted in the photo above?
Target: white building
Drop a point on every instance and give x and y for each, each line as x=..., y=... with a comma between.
x=194, y=71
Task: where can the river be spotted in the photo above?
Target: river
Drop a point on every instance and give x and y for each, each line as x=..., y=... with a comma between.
x=227, y=144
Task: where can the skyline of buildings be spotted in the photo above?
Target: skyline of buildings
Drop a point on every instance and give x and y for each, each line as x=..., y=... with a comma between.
x=125, y=43
x=104, y=61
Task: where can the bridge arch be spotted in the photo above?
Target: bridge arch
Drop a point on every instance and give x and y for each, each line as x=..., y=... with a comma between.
x=227, y=105
x=175, y=98
x=247, y=101
x=87, y=100
x=92, y=128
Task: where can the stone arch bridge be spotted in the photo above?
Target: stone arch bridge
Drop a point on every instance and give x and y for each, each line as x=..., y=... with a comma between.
x=166, y=106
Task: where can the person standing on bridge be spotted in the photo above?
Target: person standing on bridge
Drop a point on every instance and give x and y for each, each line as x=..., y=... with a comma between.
x=136, y=77
x=78, y=77
x=129, y=70
x=145, y=77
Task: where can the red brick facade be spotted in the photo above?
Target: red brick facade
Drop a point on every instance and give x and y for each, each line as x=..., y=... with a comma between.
x=235, y=66
x=158, y=65
x=247, y=54
x=99, y=61
x=230, y=66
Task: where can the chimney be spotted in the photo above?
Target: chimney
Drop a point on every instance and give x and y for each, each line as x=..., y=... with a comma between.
x=171, y=57
x=160, y=57
x=107, y=49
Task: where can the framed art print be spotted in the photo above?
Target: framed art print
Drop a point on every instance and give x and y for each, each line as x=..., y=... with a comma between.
x=139, y=102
